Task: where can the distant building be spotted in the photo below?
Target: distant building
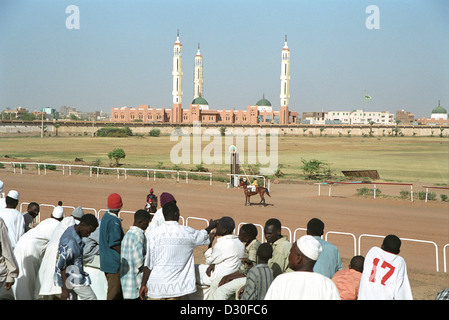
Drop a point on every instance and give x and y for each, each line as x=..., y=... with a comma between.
x=405, y=117
x=438, y=116
x=198, y=110
x=355, y=117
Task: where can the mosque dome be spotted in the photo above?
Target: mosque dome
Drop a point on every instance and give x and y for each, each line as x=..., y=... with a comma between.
x=200, y=101
x=263, y=102
x=439, y=110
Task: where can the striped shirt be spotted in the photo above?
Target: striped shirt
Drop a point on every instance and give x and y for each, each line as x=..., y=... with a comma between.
x=258, y=281
x=133, y=250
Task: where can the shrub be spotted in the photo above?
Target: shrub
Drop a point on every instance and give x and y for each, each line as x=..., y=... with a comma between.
x=155, y=132
x=117, y=154
x=315, y=169
x=114, y=132
x=443, y=197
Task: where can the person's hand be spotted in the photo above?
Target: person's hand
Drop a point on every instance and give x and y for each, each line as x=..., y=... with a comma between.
x=65, y=293
x=143, y=292
x=8, y=285
x=210, y=269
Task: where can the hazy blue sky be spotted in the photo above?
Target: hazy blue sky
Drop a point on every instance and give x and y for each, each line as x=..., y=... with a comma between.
x=122, y=53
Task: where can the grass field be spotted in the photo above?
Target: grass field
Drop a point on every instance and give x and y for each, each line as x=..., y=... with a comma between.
x=398, y=159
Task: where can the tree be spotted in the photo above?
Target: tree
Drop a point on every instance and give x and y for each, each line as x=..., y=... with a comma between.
x=315, y=169
x=117, y=154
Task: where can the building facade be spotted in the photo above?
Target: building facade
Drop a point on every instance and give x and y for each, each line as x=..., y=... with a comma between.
x=198, y=110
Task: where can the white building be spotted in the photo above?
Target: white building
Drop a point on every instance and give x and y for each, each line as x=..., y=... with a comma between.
x=360, y=117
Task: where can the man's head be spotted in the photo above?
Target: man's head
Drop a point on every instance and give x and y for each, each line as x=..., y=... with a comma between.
x=247, y=232
x=12, y=199
x=264, y=252
x=33, y=209
x=304, y=253
x=315, y=227
x=87, y=225
x=170, y=211
x=142, y=219
x=225, y=226
x=357, y=263
x=272, y=230
x=392, y=244
x=115, y=202
x=166, y=198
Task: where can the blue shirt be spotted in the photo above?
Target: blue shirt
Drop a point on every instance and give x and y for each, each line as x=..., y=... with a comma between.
x=111, y=234
x=70, y=259
x=329, y=260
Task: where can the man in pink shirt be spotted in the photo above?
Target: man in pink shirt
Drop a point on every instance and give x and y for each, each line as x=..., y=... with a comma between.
x=348, y=280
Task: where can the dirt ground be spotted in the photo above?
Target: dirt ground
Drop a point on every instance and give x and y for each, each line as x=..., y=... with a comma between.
x=293, y=204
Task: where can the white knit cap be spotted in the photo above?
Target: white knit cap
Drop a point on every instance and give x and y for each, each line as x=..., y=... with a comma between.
x=13, y=194
x=58, y=212
x=309, y=246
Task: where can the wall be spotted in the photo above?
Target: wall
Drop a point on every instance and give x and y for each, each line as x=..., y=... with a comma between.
x=86, y=128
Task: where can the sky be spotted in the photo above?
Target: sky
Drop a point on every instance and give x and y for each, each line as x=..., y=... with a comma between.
x=121, y=54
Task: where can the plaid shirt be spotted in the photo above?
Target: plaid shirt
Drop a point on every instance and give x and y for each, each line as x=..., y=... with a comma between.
x=133, y=253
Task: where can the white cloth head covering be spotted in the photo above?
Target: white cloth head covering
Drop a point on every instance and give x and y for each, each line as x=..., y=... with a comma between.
x=58, y=212
x=309, y=246
x=13, y=194
x=78, y=212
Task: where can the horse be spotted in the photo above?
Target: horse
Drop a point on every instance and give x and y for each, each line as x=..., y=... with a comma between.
x=151, y=205
x=259, y=190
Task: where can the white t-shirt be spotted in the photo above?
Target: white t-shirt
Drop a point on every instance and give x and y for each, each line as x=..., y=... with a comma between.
x=170, y=259
x=302, y=285
x=384, y=277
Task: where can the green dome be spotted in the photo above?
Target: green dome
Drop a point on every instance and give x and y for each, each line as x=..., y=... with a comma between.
x=200, y=101
x=439, y=109
x=263, y=103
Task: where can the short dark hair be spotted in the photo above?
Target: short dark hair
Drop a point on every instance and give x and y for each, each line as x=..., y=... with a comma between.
x=315, y=227
x=170, y=211
x=274, y=222
x=391, y=244
x=142, y=215
x=265, y=251
x=32, y=205
x=89, y=219
x=250, y=230
x=357, y=263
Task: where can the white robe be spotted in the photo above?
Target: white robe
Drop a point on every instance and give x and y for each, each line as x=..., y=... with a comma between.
x=45, y=281
x=29, y=252
x=14, y=222
x=302, y=285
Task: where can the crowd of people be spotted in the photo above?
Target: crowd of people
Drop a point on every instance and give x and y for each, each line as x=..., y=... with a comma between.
x=78, y=256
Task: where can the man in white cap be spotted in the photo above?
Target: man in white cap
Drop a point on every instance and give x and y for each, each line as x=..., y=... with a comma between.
x=45, y=287
x=303, y=283
x=29, y=252
x=13, y=218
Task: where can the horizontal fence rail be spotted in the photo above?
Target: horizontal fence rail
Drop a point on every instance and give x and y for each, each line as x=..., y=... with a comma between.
x=19, y=166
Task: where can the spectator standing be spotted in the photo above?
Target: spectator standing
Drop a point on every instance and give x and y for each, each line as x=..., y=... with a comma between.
x=384, y=274
x=329, y=261
x=111, y=236
x=169, y=272
x=133, y=251
x=31, y=214
x=13, y=218
x=29, y=252
x=9, y=269
x=69, y=269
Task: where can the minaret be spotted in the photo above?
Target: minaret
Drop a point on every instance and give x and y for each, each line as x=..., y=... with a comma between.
x=285, y=83
x=198, y=76
x=177, y=81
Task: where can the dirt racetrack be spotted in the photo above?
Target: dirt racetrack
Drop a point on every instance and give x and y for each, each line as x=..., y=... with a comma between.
x=292, y=204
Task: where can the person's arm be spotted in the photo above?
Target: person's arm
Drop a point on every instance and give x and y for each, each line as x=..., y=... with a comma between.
x=143, y=286
x=64, y=289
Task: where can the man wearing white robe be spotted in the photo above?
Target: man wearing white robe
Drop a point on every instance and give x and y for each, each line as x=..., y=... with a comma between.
x=29, y=251
x=13, y=218
x=45, y=287
x=303, y=283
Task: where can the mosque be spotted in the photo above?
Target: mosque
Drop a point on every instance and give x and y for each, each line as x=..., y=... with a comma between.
x=260, y=113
